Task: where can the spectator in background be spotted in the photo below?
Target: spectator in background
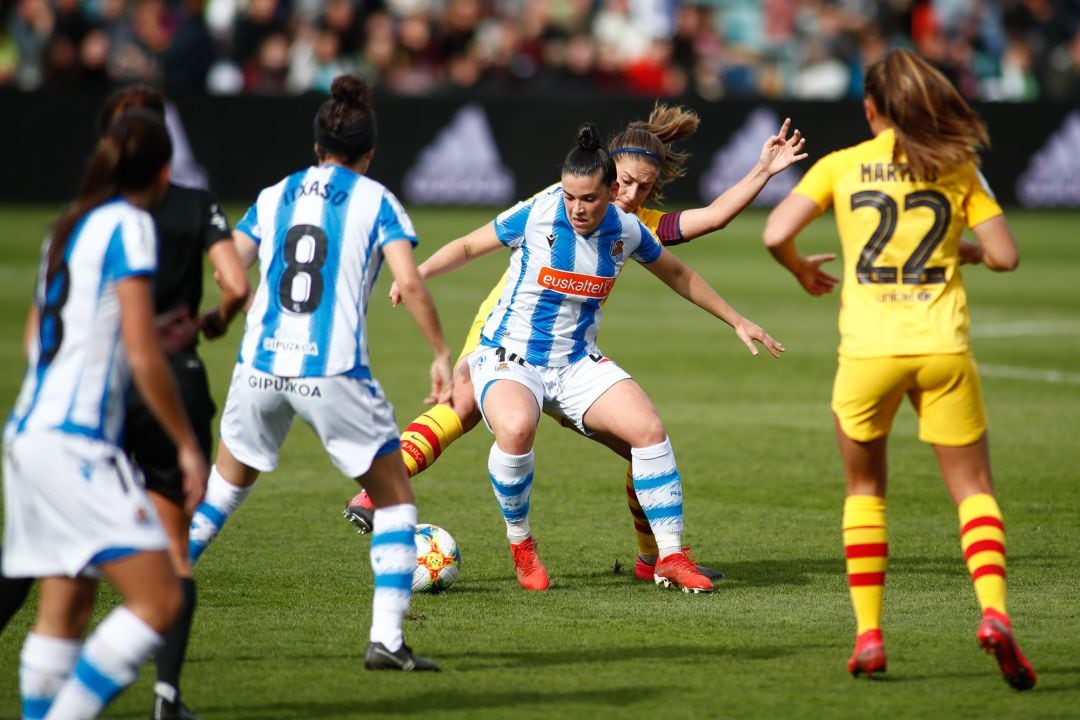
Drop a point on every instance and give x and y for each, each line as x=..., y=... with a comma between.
x=265, y=74
x=31, y=27
x=187, y=57
x=315, y=60
x=711, y=49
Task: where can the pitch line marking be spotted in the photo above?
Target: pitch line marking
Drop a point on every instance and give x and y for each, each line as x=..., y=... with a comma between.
x=1025, y=328
x=1033, y=374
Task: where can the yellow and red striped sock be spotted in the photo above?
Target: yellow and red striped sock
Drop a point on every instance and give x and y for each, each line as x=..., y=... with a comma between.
x=426, y=437
x=866, y=549
x=982, y=538
x=646, y=541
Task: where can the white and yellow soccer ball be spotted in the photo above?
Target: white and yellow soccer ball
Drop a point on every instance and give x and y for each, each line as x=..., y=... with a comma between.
x=438, y=560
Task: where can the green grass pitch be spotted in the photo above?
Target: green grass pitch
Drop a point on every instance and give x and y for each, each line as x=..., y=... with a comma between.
x=284, y=594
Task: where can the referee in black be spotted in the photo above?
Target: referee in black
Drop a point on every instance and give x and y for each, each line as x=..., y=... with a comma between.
x=189, y=225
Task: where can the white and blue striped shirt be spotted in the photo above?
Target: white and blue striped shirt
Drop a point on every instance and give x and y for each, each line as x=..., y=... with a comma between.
x=78, y=373
x=550, y=308
x=320, y=233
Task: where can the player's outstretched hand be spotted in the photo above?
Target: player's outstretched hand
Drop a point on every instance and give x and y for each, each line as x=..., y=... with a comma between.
x=813, y=279
x=780, y=151
x=750, y=332
x=195, y=473
x=442, y=381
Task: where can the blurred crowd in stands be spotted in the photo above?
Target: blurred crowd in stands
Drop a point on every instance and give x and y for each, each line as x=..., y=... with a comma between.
x=993, y=50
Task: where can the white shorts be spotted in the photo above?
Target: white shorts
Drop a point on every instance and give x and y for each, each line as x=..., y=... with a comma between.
x=351, y=416
x=567, y=391
x=70, y=504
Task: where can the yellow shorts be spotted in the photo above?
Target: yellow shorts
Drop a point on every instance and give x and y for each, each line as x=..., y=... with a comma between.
x=944, y=390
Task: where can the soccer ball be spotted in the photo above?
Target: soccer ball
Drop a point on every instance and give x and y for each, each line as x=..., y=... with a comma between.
x=438, y=560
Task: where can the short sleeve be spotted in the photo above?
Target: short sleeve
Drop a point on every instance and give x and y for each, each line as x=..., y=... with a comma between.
x=393, y=223
x=649, y=250
x=132, y=249
x=980, y=204
x=817, y=183
x=249, y=224
x=215, y=226
x=510, y=224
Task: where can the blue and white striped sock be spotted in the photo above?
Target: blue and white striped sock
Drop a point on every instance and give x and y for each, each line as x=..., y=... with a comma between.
x=109, y=662
x=44, y=666
x=221, y=500
x=393, y=560
x=659, y=490
x=512, y=479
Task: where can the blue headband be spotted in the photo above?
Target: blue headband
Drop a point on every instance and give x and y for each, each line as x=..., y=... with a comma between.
x=636, y=151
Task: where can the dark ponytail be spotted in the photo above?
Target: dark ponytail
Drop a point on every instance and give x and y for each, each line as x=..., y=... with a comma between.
x=589, y=156
x=345, y=124
x=129, y=157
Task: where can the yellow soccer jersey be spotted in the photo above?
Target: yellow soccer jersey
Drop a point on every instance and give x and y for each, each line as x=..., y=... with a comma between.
x=649, y=218
x=903, y=293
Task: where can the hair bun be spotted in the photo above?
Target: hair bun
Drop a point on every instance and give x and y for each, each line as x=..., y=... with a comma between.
x=351, y=90
x=587, y=137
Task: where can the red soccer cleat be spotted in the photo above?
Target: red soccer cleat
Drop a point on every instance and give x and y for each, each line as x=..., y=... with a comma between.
x=869, y=655
x=678, y=570
x=996, y=636
x=531, y=573
x=647, y=571
x=360, y=511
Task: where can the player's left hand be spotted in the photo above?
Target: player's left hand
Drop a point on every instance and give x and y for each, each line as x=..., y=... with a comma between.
x=395, y=294
x=442, y=382
x=780, y=152
x=750, y=332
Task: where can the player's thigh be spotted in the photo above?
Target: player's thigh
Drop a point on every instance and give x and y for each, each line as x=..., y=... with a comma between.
x=508, y=391
x=867, y=393
x=353, y=419
x=948, y=398
x=257, y=416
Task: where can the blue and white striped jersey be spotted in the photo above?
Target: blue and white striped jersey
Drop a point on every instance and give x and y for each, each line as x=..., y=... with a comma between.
x=320, y=233
x=78, y=373
x=550, y=307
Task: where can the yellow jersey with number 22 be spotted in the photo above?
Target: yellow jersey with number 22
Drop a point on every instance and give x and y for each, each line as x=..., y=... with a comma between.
x=902, y=292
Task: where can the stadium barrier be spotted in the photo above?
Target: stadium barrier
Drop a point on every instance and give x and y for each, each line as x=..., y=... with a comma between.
x=491, y=151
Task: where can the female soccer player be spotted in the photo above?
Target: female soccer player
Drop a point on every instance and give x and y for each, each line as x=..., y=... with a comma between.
x=646, y=162
x=189, y=224
x=902, y=201
x=538, y=348
x=74, y=507
x=321, y=235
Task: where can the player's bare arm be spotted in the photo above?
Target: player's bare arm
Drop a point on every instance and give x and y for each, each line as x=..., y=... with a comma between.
x=999, y=251
x=453, y=255
x=155, y=383
x=231, y=278
x=777, y=154
x=688, y=283
x=785, y=222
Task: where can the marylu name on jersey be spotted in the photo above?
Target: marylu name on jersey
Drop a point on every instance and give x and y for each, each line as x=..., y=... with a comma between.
x=888, y=172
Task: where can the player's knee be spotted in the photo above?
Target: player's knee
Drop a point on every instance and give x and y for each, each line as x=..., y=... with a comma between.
x=160, y=607
x=650, y=431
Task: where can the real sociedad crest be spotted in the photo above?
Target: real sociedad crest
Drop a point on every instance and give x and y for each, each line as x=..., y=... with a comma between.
x=617, y=251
